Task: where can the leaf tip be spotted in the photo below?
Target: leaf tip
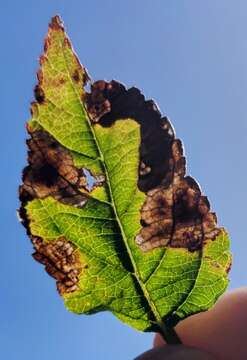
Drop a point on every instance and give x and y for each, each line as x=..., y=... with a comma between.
x=56, y=23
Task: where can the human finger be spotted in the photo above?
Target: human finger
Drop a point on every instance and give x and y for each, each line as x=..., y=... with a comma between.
x=220, y=331
x=175, y=352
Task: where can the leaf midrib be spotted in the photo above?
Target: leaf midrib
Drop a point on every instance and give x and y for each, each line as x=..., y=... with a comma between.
x=136, y=274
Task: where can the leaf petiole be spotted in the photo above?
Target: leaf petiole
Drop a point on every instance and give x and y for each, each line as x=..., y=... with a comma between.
x=169, y=335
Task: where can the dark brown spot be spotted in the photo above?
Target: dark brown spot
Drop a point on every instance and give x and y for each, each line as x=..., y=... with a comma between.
x=85, y=77
x=56, y=23
x=40, y=76
x=97, y=104
x=67, y=43
x=76, y=76
x=47, y=44
x=33, y=103
x=229, y=267
x=42, y=59
x=39, y=94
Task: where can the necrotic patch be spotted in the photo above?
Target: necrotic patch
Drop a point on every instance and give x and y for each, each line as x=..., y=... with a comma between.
x=175, y=212
x=61, y=261
x=51, y=172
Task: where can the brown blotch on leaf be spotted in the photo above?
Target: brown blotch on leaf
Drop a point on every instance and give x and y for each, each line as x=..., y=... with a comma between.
x=108, y=102
x=47, y=44
x=61, y=261
x=67, y=43
x=51, y=172
x=97, y=104
x=40, y=76
x=175, y=213
x=42, y=59
x=85, y=77
x=76, y=76
x=56, y=23
x=32, y=108
x=39, y=94
x=61, y=81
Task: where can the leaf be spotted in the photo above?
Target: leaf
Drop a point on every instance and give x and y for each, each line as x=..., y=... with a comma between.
x=107, y=204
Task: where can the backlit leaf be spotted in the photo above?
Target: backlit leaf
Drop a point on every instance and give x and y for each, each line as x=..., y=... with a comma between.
x=107, y=203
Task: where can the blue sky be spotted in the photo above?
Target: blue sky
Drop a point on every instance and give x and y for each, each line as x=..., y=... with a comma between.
x=188, y=55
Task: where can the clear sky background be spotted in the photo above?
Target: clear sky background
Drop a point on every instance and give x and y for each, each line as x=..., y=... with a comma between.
x=188, y=55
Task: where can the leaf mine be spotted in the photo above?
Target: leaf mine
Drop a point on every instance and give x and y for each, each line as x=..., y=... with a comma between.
x=51, y=172
x=61, y=261
x=175, y=213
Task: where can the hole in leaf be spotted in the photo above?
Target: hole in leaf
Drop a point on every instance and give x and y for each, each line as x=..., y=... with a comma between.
x=91, y=180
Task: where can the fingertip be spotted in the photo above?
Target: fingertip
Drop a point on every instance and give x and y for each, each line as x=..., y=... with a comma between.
x=158, y=341
x=175, y=352
x=219, y=331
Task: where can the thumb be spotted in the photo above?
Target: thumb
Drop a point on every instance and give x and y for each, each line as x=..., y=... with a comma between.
x=175, y=352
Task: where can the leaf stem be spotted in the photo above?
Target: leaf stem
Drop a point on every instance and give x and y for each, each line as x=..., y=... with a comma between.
x=169, y=335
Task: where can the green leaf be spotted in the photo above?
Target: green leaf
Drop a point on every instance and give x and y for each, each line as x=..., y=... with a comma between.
x=106, y=202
